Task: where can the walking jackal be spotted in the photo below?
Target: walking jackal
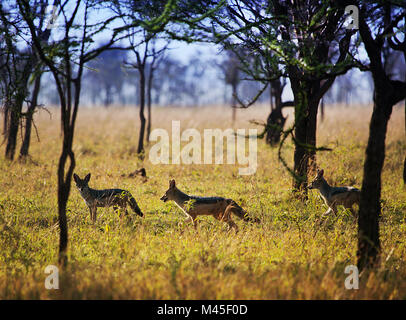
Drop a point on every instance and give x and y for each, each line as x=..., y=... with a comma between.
x=105, y=198
x=220, y=208
x=335, y=196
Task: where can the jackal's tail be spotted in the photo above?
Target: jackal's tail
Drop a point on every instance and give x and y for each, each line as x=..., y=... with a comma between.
x=134, y=206
x=241, y=213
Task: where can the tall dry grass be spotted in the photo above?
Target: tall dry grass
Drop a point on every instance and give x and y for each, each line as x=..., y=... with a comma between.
x=288, y=256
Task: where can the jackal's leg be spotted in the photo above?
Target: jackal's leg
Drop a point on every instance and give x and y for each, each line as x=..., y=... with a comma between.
x=227, y=217
x=192, y=219
x=93, y=213
x=328, y=212
x=232, y=225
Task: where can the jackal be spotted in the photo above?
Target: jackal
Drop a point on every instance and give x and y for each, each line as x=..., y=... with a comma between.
x=335, y=196
x=220, y=208
x=105, y=198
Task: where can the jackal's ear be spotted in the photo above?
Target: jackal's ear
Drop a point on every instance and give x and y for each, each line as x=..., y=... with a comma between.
x=76, y=178
x=172, y=183
x=87, y=178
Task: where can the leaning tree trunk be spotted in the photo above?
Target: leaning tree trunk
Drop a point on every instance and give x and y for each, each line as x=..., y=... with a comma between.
x=29, y=117
x=370, y=208
x=140, y=149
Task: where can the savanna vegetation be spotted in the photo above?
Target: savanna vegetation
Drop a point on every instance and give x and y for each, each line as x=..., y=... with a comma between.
x=290, y=254
x=298, y=57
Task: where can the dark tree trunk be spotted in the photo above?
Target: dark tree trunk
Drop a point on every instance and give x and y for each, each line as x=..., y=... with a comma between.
x=63, y=195
x=404, y=172
x=12, y=131
x=322, y=110
x=301, y=156
x=306, y=106
x=149, y=101
x=234, y=102
x=14, y=122
x=311, y=133
x=370, y=208
x=107, y=98
x=387, y=93
x=275, y=124
x=24, y=150
x=140, y=149
x=275, y=121
x=68, y=118
x=404, y=163
x=6, y=115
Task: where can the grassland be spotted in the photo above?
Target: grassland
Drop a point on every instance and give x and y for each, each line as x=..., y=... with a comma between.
x=288, y=256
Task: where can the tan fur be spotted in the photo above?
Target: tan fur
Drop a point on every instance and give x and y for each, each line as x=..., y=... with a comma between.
x=220, y=208
x=335, y=196
x=105, y=198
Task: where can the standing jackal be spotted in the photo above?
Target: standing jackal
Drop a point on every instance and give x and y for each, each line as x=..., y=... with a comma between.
x=335, y=196
x=105, y=198
x=220, y=208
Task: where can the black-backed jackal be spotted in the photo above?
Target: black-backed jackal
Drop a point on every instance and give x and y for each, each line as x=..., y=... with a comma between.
x=335, y=196
x=105, y=198
x=220, y=208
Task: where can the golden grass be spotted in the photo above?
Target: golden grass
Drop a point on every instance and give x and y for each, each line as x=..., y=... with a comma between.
x=287, y=256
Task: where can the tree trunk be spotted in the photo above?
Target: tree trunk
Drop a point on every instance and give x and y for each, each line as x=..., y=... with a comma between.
x=149, y=102
x=322, y=110
x=234, y=102
x=63, y=195
x=275, y=121
x=6, y=112
x=370, y=208
x=311, y=134
x=14, y=122
x=404, y=163
x=28, y=121
x=140, y=149
x=305, y=134
x=11, y=133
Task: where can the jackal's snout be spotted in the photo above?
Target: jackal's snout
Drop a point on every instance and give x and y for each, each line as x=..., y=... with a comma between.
x=164, y=198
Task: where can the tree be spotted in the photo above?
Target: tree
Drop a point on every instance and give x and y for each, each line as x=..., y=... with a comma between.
x=141, y=37
x=276, y=120
x=231, y=71
x=19, y=67
x=385, y=19
x=105, y=75
x=157, y=57
x=285, y=38
x=66, y=59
